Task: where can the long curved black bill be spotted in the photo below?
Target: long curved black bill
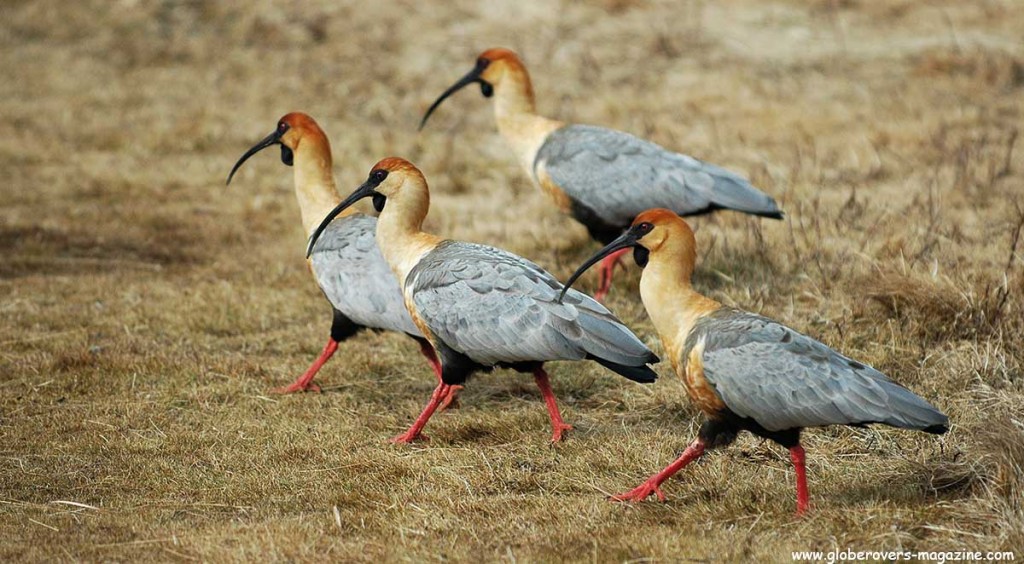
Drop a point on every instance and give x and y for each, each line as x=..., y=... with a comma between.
x=470, y=78
x=267, y=141
x=624, y=241
x=364, y=191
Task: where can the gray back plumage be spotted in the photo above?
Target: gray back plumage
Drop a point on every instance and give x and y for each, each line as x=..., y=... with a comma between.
x=356, y=279
x=494, y=306
x=782, y=379
x=618, y=176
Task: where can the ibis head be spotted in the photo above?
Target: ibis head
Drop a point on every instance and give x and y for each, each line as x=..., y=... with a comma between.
x=289, y=132
x=653, y=231
x=491, y=67
x=386, y=180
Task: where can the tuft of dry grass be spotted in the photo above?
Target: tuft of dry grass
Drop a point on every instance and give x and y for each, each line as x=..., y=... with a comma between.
x=147, y=309
x=990, y=67
x=938, y=308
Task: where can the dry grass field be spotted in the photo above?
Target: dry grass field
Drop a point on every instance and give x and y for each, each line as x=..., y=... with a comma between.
x=147, y=309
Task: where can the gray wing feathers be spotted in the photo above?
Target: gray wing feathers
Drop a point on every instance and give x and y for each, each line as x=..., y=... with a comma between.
x=618, y=176
x=783, y=379
x=607, y=338
x=356, y=279
x=494, y=307
x=732, y=191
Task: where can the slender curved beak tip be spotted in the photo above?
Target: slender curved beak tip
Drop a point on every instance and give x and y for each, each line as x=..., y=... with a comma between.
x=430, y=111
x=565, y=289
x=263, y=144
x=231, y=174
x=470, y=77
x=315, y=236
x=626, y=240
x=365, y=190
x=309, y=246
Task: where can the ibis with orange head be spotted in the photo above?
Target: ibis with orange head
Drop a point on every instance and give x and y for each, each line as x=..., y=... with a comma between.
x=346, y=262
x=601, y=177
x=482, y=307
x=746, y=372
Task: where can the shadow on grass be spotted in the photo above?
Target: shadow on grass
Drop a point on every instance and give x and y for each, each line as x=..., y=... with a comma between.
x=909, y=489
x=30, y=250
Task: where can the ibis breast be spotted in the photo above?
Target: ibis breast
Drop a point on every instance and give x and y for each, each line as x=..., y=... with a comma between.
x=701, y=392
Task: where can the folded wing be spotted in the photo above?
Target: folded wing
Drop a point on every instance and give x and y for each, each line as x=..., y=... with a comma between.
x=356, y=279
x=782, y=379
x=617, y=175
x=496, y=307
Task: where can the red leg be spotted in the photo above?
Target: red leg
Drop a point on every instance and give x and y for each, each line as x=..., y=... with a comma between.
x=802, y=498
x=305, y=382
x=451, y=400
x=651, y=486
x=606, y=269
x=557, y=425
x=414, y=432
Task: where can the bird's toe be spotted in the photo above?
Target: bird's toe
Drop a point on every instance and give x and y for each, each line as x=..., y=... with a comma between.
x=556, y=435
x=296, y=387
x=639, y=493
x=409, y=438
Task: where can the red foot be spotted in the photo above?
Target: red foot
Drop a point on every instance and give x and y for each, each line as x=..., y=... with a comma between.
x=305, y=383
x=640, y=492
x=557, y=425
x=451, y=399
x=558, y=429
x=297, y=386
x=692, y=452
x=414, y=432
x=408, y=438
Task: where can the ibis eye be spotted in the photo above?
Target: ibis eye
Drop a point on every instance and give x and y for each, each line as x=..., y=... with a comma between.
x=645, y=228
x=379, y=175
x=482, y=63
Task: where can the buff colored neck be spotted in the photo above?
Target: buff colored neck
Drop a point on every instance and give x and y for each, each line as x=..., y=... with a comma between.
x=400, y=234
x=517, y=118
x=314, y=182
x=671, y=302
